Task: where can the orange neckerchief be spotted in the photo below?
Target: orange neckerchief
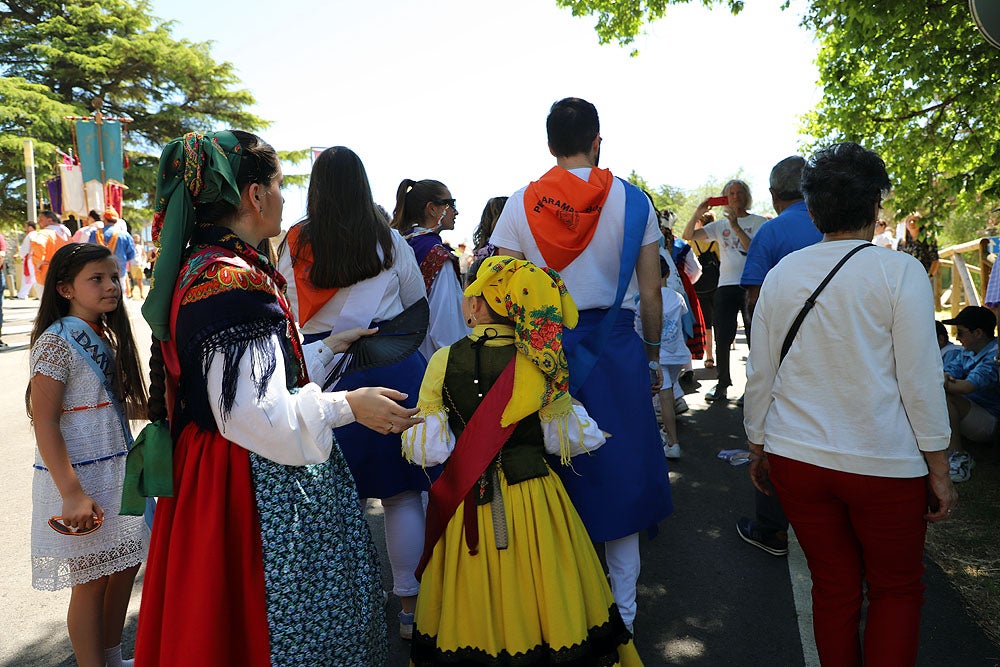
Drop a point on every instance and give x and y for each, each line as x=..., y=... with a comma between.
x=311, y=298
x=563, y=211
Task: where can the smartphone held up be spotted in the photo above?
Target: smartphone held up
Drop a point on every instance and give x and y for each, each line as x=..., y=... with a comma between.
x=722, y=200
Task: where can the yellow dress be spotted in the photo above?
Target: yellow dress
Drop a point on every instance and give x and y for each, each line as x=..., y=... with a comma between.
x=545, y=598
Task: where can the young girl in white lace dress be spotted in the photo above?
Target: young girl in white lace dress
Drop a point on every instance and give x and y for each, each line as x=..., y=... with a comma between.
x=86, y=383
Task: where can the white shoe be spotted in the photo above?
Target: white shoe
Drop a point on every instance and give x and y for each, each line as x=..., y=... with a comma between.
x=671, y=451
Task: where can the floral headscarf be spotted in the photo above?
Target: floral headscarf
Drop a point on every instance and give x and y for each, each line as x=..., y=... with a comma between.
x=195, y=168
x=537, y=301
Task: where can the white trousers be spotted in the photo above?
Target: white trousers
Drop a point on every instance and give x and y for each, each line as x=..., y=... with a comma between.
x=404, y=539
x=623, y=566
x=27, y=282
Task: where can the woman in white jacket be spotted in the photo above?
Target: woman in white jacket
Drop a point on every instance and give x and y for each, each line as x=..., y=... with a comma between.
x=851, y=426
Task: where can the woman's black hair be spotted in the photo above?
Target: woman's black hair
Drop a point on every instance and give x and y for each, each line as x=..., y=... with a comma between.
x=344, y=227
x=488, y=222
x=843, y=185
x=258, y=164
x=412, y=198
x=128, y=383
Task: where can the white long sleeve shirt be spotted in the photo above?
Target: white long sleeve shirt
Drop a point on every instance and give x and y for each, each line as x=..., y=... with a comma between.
x=861, y=388
x=405, y=287
x=287, y=428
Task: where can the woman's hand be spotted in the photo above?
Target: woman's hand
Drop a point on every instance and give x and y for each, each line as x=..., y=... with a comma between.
x=376, y=408
x=942, y=497
x=340, y=341
x=79, y=510
x=760, y=470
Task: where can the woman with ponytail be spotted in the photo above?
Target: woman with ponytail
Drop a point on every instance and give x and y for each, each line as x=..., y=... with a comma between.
x=346, y=267
x=263, y=555
x=423, y=209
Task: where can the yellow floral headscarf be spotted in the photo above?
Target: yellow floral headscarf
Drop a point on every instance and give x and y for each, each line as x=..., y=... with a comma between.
x=537, y=301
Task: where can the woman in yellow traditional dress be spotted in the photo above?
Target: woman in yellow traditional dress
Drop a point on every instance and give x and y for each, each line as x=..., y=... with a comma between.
x=508, y=568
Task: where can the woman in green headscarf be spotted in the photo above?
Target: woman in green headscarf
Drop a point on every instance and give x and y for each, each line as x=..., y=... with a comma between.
x=262, y=556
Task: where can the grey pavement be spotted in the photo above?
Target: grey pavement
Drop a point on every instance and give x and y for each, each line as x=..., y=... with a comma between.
x=706, y=598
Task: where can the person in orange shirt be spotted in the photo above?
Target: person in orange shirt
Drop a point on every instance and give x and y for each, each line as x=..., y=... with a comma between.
x=52, y=236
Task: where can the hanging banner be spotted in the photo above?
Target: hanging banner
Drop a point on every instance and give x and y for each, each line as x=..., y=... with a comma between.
x=74, y=200
x=100, y=149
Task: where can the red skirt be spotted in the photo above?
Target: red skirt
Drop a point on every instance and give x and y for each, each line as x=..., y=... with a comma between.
x=203, y=595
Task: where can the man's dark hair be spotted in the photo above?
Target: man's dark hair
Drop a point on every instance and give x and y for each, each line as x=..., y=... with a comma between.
x=842, y=186
x=51, y=216
x=572, y=125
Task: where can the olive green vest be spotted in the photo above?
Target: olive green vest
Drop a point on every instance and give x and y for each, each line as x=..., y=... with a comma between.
x=523, y=455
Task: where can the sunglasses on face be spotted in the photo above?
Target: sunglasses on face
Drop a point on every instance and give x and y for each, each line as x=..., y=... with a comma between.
x=56, y=524
x=445, y=202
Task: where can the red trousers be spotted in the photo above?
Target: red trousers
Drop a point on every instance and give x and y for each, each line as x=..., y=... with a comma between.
x=853, y=528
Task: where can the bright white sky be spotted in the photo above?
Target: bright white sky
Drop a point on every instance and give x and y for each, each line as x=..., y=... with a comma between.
x=458, y=90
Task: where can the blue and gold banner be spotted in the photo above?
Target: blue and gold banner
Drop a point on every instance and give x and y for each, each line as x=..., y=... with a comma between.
x=97, y=143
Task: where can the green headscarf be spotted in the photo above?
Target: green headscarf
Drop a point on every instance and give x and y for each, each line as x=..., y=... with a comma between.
x=195, y=168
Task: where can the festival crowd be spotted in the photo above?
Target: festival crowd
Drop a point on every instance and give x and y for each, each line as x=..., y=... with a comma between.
x=513, y=412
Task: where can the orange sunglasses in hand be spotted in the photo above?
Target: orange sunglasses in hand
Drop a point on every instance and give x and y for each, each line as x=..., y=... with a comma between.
x=56, y=524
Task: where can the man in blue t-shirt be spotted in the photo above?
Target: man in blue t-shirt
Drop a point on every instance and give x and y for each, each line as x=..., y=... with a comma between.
x=791, y=230
x=972, y=387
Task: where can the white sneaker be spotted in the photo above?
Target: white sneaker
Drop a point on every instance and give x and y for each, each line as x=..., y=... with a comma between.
x=671, y=451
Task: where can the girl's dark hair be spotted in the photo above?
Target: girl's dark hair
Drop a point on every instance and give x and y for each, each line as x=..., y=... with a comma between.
x=258, y=164
x=487, y=222
x=128, y=384
x=343, y=225
x=470, y=277
x=412, y=198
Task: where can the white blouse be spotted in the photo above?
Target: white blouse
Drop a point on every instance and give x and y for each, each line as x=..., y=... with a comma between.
x=287, y=428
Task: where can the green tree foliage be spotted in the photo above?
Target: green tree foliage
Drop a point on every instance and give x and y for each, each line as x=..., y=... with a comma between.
x=55, y=57
x=622, y=20
x=911, y=79
x=664, y=197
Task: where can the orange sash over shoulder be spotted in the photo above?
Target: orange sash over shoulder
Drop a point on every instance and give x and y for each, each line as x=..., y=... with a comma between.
x=563, y=211
x=311, y=298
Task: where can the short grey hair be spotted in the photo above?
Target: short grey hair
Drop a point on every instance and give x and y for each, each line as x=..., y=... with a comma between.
x=785, y=178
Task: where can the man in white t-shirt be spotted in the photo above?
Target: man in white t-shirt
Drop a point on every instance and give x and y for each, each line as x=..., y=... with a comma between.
x=733, y=235
x=576, y=219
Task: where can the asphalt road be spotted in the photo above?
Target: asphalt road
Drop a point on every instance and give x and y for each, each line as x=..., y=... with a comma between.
x=705, y=597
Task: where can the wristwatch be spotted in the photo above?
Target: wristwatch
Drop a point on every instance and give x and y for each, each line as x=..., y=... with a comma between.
x=654, y=365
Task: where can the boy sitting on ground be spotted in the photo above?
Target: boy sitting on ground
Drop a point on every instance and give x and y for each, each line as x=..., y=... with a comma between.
x=972, y=387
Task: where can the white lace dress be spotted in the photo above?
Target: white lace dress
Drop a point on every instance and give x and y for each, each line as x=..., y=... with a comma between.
x=96, y=447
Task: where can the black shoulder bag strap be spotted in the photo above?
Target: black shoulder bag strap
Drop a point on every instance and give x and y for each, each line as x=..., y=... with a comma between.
x=811, y=301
